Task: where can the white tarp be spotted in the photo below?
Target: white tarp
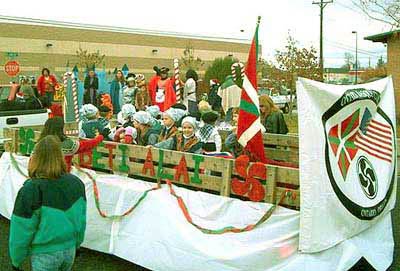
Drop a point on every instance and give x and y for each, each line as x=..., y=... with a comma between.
x=157, y=236
x=348, y=169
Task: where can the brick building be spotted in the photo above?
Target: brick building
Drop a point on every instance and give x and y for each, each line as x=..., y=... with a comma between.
x=392, y=39
x=35, y=44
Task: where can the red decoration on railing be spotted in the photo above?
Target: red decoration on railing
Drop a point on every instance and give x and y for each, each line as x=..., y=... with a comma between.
x=251, y=187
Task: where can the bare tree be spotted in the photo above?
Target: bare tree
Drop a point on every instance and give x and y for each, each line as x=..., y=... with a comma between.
x=386, y=11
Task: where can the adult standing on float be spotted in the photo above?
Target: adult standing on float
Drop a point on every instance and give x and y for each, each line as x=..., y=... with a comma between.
x=91, y=86
x=116, y=91
x=189, y=91
x=46, y=84
x=161, y=89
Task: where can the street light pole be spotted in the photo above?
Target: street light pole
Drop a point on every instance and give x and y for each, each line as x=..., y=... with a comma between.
x=355, y=32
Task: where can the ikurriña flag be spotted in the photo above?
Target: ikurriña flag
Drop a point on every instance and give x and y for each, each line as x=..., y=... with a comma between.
x=249, y=124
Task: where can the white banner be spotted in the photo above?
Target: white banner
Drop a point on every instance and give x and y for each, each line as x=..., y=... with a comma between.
x=347, y=159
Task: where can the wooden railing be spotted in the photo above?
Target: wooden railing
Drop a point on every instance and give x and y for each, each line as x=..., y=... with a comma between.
x=205, y=173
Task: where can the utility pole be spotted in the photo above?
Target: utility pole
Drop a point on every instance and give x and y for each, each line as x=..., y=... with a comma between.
x=322, y=4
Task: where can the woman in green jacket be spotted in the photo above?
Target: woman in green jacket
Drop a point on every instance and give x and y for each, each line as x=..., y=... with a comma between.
x=271, y=116
x=49, y=217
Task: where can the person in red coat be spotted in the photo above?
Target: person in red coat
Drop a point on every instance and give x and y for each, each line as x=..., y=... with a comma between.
x=46, y=84
x=161, y=89
x=69, y=146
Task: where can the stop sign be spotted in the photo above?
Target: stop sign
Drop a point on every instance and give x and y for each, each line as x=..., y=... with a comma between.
x=11, y=68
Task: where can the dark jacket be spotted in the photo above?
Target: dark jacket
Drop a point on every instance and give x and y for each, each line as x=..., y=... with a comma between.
x=275, y=123
x=48, y=216
x=93, y=85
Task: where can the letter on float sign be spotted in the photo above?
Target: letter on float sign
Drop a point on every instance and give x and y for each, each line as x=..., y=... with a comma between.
x=111, y=148
x=197, y=160
x=148, y=164
x=160, y=174
x=123, y=167
x=181, y=169
x=96, y=156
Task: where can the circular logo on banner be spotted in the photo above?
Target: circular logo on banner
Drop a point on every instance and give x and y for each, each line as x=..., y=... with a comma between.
x=367, y=177
x=360, y=141
x=11, y=68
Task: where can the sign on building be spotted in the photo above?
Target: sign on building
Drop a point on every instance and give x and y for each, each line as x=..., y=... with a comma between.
x=11, y=68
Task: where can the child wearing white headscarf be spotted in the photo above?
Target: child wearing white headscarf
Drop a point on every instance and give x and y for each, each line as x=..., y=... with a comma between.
x=147, y=133
x=186, y=141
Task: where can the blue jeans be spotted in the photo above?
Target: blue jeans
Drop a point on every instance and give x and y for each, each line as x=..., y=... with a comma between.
x=55, y=261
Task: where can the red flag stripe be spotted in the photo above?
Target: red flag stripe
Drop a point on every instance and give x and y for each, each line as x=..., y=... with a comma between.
x=379, y=128
x=360, y=143
x=370, y=135
x=374, y=154
x=374, y=132
x=387, y=147
x=381, y=124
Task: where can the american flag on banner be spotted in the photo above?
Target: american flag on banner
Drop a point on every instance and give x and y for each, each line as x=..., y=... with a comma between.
x=375, y=138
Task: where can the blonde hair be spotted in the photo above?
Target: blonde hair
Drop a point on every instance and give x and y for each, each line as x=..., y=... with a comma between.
x=47, y=160
x=268, y=104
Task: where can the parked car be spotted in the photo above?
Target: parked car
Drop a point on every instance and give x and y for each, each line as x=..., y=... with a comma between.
x=282, y=99
x=15, y=114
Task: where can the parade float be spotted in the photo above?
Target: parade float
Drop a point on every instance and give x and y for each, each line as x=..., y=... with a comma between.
x=167, y=210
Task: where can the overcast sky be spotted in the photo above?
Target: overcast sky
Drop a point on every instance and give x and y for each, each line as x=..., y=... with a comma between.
x=225, y=19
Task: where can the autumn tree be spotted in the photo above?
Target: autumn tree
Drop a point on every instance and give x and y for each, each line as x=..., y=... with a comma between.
x=88, y=60
x=189, y=60
x=386, y=11
x=291, y=62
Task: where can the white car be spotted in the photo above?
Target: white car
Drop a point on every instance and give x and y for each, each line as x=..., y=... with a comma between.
x=282, y=101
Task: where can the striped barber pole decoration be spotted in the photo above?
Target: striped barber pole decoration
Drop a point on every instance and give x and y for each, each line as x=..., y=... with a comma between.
x=375, y=138
x=66, y=76
x=177, y=80
x=240, y=66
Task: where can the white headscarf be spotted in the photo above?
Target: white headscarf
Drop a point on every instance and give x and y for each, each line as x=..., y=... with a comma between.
x=192, y=121
x=89, y=111
x=142, y=117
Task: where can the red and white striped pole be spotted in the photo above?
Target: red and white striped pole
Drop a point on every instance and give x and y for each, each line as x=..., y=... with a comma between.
x=177, y=81
x=74, y=93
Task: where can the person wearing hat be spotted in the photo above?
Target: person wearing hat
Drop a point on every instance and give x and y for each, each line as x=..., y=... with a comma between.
x=91, y=125
x=185, y=141
x=91, y=85
x=161, y=89
x=125, y=116
x=129, y=91
x=126, y=135
x=208, y=134
x=169, y=129
x=147, y=134
x=103, y=119
x=213, y=98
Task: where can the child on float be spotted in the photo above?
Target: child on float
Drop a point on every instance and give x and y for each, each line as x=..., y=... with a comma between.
x=90, y=125
x=70, y=146
x=170, y=118
x=147, y=132
x=185, y=141
x=129, y=91
x=155, y=113
x=125, y=117
x=231, y=142
x=208, y=133
x=41, y=225
x=126, y=135
x=104, y=118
